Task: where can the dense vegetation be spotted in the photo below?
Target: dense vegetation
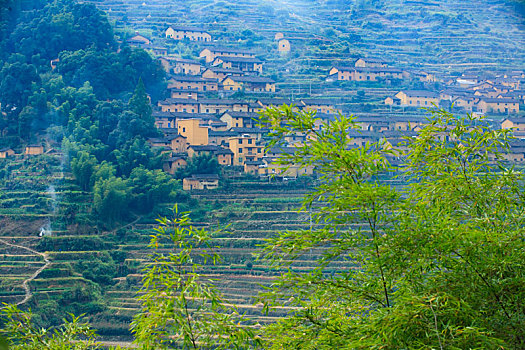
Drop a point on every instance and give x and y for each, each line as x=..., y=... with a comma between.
x=67, y=84
x=437, y=263
x=433, y=264
x=95, y=102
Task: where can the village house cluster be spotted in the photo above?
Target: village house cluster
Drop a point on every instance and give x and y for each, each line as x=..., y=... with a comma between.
x=204, y=113
x=500, y=95
x=373, y=69
x=226, y=127
x=29, y=150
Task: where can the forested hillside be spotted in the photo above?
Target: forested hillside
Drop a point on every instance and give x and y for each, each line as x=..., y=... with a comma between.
x=62, y=72
x=154, y=183
x=68, y=87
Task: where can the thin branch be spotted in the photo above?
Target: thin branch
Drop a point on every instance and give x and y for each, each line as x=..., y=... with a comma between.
x=436, y=325
x=192, y=337
x=496, y=295
x=374, y=238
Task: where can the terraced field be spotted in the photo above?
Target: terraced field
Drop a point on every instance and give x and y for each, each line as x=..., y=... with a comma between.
x=58, y=269
x=79, y=268
x=254, y=211
x=439, y=35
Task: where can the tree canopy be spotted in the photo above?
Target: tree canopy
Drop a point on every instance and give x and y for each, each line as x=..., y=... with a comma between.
x=437, y=263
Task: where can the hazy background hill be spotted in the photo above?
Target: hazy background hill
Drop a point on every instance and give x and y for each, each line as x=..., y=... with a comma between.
x=440, y=34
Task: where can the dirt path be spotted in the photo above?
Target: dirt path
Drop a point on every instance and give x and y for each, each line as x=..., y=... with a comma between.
x=25, y=284
x=127, y=225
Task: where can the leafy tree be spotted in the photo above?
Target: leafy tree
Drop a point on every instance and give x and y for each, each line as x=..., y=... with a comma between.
x=110, y=73
x=99, y=271
x=204, y=163
x=110, y=198
x=437, y=263
x=149, y=187
x=144, y=67
x=135, y=153
x=25, y=118
x=140, y=105
x=102, y=171
x=83, y=167
x=16, y=85
x=179, y=306
x=107, y=114
x=61, y=25
x=21, y=333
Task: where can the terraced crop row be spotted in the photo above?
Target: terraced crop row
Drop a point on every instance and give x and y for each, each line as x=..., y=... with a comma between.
x=75, y=276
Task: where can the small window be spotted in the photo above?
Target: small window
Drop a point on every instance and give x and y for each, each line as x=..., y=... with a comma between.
x=240, y=150
x=250, y=141
x=240, y=141
x=183, y=129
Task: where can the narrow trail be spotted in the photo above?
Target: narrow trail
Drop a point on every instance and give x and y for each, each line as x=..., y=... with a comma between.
x=127, y=225
x=25, y=284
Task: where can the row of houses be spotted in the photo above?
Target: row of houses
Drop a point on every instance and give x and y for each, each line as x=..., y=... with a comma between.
x=373, y=69
x=29, y=150
x=226, y=129
x=225, y=70
x=191, y=85
x=188, y=33
x=501, y=103
x=219, y=106
x=223, y=65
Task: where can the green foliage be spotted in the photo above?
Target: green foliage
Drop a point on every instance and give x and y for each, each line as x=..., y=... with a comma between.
x=73, y=95
x=4, y=345
x=51, y=243
x=149, y=188
x=16, y=85
x=135, y=153
x=83, y=167
x=179, y=306
x=110, y=198
x=139, y=104
x=61, y=25
x=436, y=264
x=21, y=332
x=99, y=271
x=204, y=163
x=109, y=73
